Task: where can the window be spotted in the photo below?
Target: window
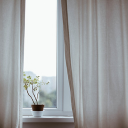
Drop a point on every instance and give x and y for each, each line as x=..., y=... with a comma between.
x=40, y=50
x=44, y=56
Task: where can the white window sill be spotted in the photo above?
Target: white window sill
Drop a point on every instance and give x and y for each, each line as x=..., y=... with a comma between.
x=45, y=119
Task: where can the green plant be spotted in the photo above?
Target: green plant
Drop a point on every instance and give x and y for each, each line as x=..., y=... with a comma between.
x=35, y=84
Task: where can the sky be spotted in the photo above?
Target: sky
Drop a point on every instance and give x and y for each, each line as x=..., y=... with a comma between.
x=40, y=37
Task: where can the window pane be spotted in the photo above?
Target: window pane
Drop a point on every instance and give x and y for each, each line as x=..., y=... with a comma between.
x=40, y=49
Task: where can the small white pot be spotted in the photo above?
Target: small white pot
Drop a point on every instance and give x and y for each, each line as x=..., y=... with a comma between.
x=37, y=113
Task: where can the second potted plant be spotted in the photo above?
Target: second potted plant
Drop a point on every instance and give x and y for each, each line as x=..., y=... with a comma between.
x=37, y=109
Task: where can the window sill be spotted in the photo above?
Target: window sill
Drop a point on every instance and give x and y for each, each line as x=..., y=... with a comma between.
x=45, y=119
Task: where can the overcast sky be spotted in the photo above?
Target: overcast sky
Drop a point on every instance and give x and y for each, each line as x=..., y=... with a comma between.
x=40, y=37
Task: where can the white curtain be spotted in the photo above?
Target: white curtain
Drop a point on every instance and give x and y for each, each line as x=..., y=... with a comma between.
x=96, y=48
x=11, y=62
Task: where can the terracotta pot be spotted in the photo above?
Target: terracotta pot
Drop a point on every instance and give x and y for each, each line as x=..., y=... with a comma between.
x=37, y=107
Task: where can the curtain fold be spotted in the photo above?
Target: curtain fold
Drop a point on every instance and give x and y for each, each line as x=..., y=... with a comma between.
x=96, y=50
x=11, y=62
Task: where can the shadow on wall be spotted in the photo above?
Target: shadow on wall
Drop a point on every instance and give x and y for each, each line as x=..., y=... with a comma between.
x=48, y=125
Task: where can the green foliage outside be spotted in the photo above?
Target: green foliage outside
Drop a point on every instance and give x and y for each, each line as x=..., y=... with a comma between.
x=49, y=100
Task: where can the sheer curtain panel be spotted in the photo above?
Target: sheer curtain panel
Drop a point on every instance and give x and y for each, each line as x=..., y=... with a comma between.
x=11, y=62
x=96, y=49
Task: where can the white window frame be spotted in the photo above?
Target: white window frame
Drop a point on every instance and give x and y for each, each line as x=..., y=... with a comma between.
x=63, y=93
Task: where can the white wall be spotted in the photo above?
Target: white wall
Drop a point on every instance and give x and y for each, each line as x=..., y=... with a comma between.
x=48, y=125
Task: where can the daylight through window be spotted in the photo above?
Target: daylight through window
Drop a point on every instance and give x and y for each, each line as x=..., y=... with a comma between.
x=40, y=49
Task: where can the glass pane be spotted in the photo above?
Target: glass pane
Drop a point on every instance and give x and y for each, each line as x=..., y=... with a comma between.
x=40, y=50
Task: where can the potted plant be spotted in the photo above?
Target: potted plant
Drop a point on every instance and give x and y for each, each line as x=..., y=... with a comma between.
x=37, y=109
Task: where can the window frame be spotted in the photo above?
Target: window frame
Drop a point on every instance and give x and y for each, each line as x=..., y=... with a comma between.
x=63, y=99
